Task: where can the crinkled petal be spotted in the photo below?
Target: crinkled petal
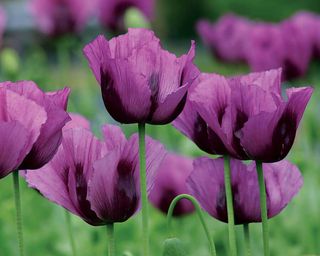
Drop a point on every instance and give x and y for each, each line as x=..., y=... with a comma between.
x=77, y=120
x=52, y=182
x=65, y=179
x=49, y=139
x=60, y=97
x=50, y=134
x=274, y=139
x=18, y=108
x=96, y=53
x=246, y=101
x=206, y=184
x=113, y=137
x=172, y=106
x=136, y=38
x=191, y=124
x=283, y=181
x=114, y=190
x=269, y=81
x=13, y=140
x=125, y=93
x=113, y=193
x=210, y=99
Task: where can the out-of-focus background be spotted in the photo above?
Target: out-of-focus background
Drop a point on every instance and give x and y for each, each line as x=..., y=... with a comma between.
x=26, y=53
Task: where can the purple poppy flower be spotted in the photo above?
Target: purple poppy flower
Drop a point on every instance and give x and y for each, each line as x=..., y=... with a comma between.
x=97, y=180
x=192, y=125
x=77, y=120
x=308, y=25
x=111, y=12
x=233, y=109
x=2, y=23
x=265, y=48
x=298, y=39
x=206, y=183
x=171, y=182
x=57, y=17
x=226, y=38
x=33, y=118
x=141, y=82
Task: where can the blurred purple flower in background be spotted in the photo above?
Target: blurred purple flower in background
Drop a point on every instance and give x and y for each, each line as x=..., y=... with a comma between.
x=265, y=47
x=111, y=12
x=298, y=42
x=33, y=118
x=97, y=180
x=233, y=109
x=141, y=82
x=227, y=37
x=2, y=23
x=308, y=25
x=206, y=183
x=289, y=45
x=170, y=182
x=58, y=17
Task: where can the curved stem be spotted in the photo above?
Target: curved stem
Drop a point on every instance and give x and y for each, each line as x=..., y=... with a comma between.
x=199, y=212
x=263, y=206
x=70, y=233
x=143, y=188
x=111, y=243
x=16, y=189
x=246, y=233
x=229, y=199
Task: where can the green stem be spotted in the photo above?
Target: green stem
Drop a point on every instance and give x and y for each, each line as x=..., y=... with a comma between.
x=70, y=233
x=143, y=188
x=201, y=218
x=111, y=243
x=246, y=233
x=16, y=189
x=263, y=206
x=229, y=198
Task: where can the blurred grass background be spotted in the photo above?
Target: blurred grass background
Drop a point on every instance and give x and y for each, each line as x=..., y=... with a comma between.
x=56, y=63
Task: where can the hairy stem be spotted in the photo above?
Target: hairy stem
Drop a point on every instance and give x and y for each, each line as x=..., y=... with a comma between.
x=200, y=215
x=70, y=233
x=143, y=188
x=246, y=233
x=111, y=241
x=264, y=211
x=16, y=189
x=229, y=199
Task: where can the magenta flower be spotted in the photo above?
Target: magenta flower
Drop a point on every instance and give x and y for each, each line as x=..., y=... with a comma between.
x=97, y=180
x=77, y=120
x=171, y=182
x=232, y=110
x=140, y=82
x=111, y=12
x=33, y=118
x=58, y=17
x=308, y=26
x=265, y=47
x=206, y=183
x=227, y=38
x=2, y=23
x=298, y=40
